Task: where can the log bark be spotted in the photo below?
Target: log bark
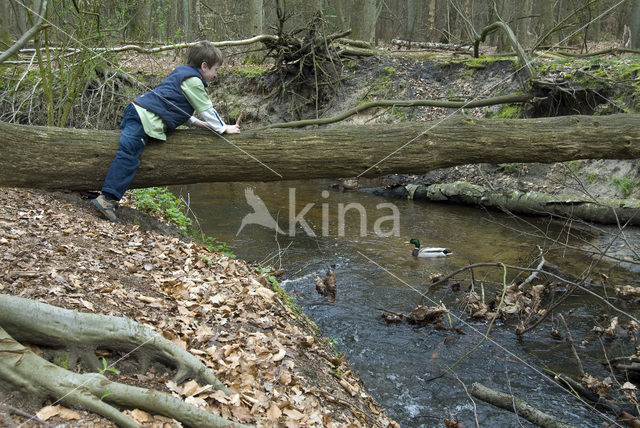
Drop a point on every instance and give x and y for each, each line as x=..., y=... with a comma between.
x=74, y=159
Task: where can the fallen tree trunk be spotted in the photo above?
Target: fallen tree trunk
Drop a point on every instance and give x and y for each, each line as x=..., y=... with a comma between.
x=606, y=211
x=74, y=159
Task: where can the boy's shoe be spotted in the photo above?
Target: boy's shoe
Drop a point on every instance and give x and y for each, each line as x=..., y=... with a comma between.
x=107, y=207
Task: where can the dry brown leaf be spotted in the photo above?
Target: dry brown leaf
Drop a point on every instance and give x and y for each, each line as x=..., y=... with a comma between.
x=140, y=416
x=68, y=414
x=189, y=388
x=87, y=304
x=293, y=414
x=263, y=292
x=241, y=413
x=196, y=401
x=218, y=299
x=350, y=388
x=285, y=378
x=48, y=412
x=220, y=397
x=148, y=299
x=280, y=355
x=274, y=413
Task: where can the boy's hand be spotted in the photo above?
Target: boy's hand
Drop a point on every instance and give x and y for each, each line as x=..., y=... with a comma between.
x=232, y=129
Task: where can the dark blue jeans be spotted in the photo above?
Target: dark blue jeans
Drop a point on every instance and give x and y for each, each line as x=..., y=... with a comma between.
x=123, y=168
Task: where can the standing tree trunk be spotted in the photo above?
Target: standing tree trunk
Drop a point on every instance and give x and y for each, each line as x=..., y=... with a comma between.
x=524, y=23
x=595, y=27
x=547, y=20
x=186, y=14
x=309, y=9
x=432, y=18
x=414, y=12
x=635, y=25
x=364, y=20
x=255, y=18
x=343, y=11
x=5, y=34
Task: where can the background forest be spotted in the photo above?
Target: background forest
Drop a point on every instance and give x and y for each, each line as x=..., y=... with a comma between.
x=75, y=83
x=379, y=21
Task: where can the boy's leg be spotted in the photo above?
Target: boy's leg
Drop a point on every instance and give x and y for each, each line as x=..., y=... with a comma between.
x=123, y=168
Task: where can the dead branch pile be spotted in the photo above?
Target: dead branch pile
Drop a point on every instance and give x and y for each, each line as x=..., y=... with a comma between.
x=516, y=303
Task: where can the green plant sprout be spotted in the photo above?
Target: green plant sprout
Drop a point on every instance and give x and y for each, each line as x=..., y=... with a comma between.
x=106, y=368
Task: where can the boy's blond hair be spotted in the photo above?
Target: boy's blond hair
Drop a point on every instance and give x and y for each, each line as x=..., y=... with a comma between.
x=204, y=52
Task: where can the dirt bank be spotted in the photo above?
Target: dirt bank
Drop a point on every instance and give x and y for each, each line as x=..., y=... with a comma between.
x=55, y=249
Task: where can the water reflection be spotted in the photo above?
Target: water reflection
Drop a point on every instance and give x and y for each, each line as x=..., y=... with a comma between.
x=377, y=273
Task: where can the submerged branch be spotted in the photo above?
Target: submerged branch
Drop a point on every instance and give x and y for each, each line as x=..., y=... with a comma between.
x=516, y=405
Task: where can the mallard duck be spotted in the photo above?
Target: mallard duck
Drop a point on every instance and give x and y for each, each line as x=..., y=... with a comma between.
x=327, y=286
x=427, y=251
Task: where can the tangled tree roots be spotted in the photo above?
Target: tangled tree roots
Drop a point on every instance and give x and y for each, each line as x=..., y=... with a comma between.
x=82, y=333
x=307, y=69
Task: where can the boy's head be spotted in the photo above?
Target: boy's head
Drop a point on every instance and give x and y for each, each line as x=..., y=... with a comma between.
x=204, y=52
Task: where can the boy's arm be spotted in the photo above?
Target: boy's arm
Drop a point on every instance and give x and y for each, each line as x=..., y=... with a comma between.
x=211, y=121
x=193, y=90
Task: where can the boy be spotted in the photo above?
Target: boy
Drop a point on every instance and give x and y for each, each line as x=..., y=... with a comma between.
x=162, y=109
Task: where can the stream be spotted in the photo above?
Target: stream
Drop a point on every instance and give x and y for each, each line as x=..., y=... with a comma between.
x=375, y=272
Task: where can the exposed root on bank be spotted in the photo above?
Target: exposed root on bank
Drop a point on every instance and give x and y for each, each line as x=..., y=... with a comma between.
x=83, y=334
x=92, y=391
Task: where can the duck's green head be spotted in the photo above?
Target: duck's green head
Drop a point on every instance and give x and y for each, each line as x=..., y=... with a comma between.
x=415, y=242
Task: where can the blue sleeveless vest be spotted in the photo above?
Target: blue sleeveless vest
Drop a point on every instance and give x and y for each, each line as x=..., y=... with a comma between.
x=167, y=99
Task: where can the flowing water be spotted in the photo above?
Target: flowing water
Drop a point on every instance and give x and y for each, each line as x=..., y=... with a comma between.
x=374, y=273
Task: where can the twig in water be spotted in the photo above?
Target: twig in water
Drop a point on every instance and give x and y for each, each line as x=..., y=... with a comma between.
x=534, y=274
x=486, y=335
x=573, y=348
x=473, y=402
